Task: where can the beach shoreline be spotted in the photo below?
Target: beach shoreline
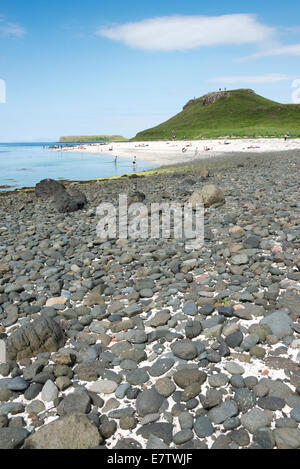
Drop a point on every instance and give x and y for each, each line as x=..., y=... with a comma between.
x=211, y=160
x=220, y=162
x=165, y=153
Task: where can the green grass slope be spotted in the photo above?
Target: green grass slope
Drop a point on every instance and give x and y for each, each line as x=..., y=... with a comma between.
x=234, y=113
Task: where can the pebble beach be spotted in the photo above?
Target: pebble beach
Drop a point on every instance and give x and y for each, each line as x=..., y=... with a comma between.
x=148, y=343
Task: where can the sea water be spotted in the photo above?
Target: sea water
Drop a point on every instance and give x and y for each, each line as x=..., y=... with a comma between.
x=25, y=164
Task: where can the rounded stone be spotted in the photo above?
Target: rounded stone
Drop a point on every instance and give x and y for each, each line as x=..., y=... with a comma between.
x=104, y=386
x=184, y=350
x=185, y=420
x=18, y=384
x=186, y=377
x=218, y=380
x=127, y=422
x=234, y=368
x=183, y=436
x=203, y=426
x=161, y=366
x=257, y=352
x=191, y=391
x=234, y=340
x=35, y=407
x=165, y=387
x=295, y=414
x=137, y=376
x=271, y=403
x=148, y=402
x=190, y=308
x=245, y=399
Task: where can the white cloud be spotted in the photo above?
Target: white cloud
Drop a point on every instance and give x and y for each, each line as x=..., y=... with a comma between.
x=290, y=50
x=189, y=32
x=10, y=29
x=270, y=78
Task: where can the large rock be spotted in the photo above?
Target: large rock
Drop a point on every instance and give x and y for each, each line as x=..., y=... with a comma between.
x=75, y=431
x=63, y=201
x=48, y=188
x=210, y=196
x=41, y=335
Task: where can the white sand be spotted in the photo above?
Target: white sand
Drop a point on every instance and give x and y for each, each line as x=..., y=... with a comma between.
x=165, y=153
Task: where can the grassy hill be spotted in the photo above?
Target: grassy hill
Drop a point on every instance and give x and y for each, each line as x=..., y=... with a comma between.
x=233, y=113
x=92, y=139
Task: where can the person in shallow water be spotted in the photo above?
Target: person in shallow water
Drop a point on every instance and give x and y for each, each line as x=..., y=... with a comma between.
x=134, y=163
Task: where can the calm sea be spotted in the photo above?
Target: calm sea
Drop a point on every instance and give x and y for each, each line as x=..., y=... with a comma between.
x=25, y=164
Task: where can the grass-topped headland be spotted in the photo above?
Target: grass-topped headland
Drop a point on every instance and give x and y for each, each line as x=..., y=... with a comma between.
x=232, y=113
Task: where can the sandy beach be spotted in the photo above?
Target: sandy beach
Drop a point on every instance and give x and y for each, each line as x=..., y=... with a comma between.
x=166, y=153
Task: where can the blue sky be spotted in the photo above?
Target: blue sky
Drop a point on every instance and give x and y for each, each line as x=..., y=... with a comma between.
x=96, y=67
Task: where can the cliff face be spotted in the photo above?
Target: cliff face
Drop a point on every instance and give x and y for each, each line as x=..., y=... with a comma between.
x=212, y=98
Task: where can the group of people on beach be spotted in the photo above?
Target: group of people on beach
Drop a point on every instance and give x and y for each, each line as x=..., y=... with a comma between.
x=205, y=148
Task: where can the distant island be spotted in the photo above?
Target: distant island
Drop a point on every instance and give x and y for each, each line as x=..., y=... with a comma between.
x=232, y=113
x=93, y=139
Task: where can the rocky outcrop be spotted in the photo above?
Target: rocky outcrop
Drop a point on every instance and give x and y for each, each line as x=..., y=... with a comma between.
x=212, y=98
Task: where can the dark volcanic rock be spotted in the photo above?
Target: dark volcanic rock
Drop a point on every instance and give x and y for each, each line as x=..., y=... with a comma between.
x=48, y=188
x=42, y=335
x=65, y=202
